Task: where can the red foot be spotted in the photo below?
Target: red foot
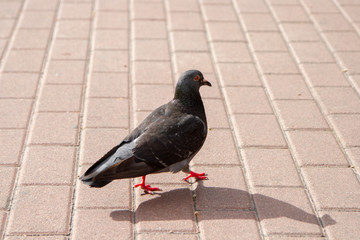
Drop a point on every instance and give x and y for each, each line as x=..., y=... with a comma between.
x=198, y=176
x=147, y=189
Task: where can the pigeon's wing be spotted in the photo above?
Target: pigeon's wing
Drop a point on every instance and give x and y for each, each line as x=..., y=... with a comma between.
x=170, y=140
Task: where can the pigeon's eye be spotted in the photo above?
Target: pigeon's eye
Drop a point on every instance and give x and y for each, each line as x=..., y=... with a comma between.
x=196, y=78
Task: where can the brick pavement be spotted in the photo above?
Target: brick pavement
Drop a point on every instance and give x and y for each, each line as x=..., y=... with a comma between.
x=283, y=152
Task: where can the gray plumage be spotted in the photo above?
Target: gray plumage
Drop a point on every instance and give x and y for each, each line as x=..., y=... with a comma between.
x=165, y=141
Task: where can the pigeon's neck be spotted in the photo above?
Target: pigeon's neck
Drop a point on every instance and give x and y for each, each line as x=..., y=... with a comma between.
x=191, y=103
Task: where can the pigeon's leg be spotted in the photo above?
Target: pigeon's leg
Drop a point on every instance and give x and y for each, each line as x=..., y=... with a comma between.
x=146, y=188
x=198, y=176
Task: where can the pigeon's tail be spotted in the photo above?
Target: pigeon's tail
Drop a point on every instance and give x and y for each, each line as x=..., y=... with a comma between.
x=96, y=184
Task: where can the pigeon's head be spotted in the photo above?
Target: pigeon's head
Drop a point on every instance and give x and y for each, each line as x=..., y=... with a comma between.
x=189, y=83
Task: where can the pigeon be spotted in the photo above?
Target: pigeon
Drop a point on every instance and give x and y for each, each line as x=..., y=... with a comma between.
x=165, y=141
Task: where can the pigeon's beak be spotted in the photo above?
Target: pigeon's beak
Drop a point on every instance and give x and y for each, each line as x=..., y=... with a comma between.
x=205, y=82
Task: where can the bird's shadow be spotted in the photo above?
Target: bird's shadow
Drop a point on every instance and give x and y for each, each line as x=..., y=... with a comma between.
x=177, y=205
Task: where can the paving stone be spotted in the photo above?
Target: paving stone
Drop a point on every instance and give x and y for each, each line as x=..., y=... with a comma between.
x=188, y=41
x=210, y=154
x=219, y=13
x=27, y=237
x=321, y=6
x=238, y=74
x=300, y=114
x=193, y=60
x=70, y=96
x=352, y=11
x=267, y=41
x=70, y=49
x=287, y=87
x=215, y=113
x=3, y=45
x=37, y=19
x=256, y=6
x=108, y=85
x=258, y=130
x=104, y=39
x=185, y=21
x=65, y=72
x=344, y=126
x=259, y=22
x=152, y=72
x=2, y=221
x=333, y=188
x=225, y=189
x=114, y=195
x=186, y=5
x=171, y=210
x=339, y=100
x=343, y=41
x=24, y=61
x=75, y=10
x=312, y=52
x=11, y=145
x=110, y=61
x=332, y=22
x=354, y=154
x=73, y=29
x=350, y=61
x=291, y=14
x=241, y=100
x=55, y=128
x=149, y=29
x=107, y=112
x=225, y=31
x=98, y=141
x=151, y=50
x=41, y=5
x=102, y=224
x=148, y=10
x=286, y=211
x=113, y=5
x=112, y=20
x=263, y=167
x=276, y=63
x=316, y=148
x=345, y=226
x=51, y=205
x=164, y=236
x=150, y=97
x=6, y=26
x=9, y=10
x=324, y=74
x=300, y=32
x=7, y=175
x=48, y=165
x=224, y=52
x=228, y=224
x=31, y=38
x=15, y=112
x=18, y=85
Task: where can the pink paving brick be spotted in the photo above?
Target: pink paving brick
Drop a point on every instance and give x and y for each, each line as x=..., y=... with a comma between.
x=75, y=11
x=6, y=27
x=152, y=72
x=65, y=72
x=228, y=225
x=339, y=100
x=48, y=165
x=38, y=237
x=225, y=189
x=325, y=74
x=55, y=128
x=255, y=6
x=224, y=52
x=321, y=6
x=69, y=49
x=344, y=126
x=11, y=145
x=15, y=112
x=70, y=96
x=332, y=22
x=9, y=10
x=287, y=87
x=290, y=14
x=316, y=148
x=300, y=32
x=188, y=41
x=276, y=63
x=238, y=74
x=286, y=211
x=7, y=175
x=193, y=60
x=51, y=204
x=98, y=141
x=102, y=224
x=312, y=52
x=172, y=210
x=225, y=31
x=149, y=29
x=111, y=20
x=258, y=130
x=106, y=112
x=218, y=139
x=267, y=41
x=333, y=188
x=165, y=236
x=350, y=61
x=24, y=61
x=114, y=195
x=41, y=5
x=300, y=114
x=219, y=13
x=345, y=227
x=108, y=85
x=352, y=12
x=151, y=50
x=216, y=114
x=185, y=5
x=343, y=41
x=185, y=21
x=2, y=221
x=73, y=29
x=110, y=61
x=259, y=22
x=31, y=38
x=112, y=5
x=37, y=19
x=354, y=154
x=104, y=39
x=18, y=85
x=150, y=97
x=148, y=10
x=263, y=167
x=241, y=100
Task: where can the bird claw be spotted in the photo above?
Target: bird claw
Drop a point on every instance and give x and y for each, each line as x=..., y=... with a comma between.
x=147, y=189
x=197, y=176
